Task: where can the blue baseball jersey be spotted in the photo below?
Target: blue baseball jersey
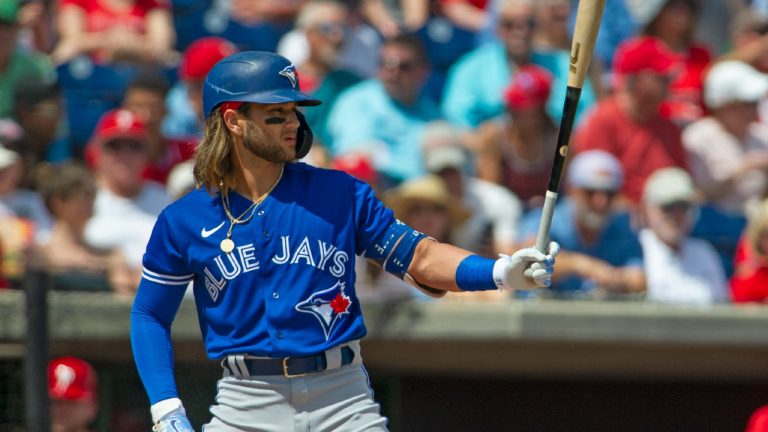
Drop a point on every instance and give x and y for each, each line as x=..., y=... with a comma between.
x=287, y=288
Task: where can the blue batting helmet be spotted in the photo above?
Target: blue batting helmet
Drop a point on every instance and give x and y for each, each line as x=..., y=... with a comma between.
x=253, y=76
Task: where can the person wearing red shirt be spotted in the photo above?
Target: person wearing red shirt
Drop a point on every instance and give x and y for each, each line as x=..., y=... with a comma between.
x=115, y=30
x=749, y=283
x=673, y=22
x=628, y=124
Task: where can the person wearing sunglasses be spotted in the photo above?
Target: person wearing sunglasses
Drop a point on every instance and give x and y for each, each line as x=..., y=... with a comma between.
x=601, y=256
x=679, y=269
x=126, y=205
x=475, y=84
x=387, y=115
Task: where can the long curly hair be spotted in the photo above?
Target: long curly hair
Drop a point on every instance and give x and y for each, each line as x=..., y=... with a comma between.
x=213, y=162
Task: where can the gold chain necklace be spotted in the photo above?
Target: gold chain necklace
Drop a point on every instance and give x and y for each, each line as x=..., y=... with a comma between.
x=227, y=245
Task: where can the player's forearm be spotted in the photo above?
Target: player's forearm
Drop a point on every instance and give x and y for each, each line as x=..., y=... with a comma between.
x=434, y=264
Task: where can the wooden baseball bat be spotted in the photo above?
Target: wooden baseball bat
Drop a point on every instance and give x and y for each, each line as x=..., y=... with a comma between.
x=588, y=17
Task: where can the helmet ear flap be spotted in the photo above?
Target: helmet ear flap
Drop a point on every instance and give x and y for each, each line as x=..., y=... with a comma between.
x=304, y=136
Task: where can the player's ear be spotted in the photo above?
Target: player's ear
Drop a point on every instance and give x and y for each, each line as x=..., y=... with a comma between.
x=231, y=121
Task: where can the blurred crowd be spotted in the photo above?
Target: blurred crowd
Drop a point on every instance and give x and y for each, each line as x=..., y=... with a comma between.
x=449, y=109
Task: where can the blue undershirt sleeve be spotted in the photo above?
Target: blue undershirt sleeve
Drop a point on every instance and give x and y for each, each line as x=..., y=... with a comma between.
x=153, y=311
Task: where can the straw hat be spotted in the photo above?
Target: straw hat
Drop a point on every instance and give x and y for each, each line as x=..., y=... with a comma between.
x=429, y=188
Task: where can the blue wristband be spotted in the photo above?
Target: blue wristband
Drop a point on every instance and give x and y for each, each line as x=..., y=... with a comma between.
x=475, y=273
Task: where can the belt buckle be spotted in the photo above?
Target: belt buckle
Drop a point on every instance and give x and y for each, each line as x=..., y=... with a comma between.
x=285, y=370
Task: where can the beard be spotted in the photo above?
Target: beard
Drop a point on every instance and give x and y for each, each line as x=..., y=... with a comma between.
x=261, y=145
x=591, y=219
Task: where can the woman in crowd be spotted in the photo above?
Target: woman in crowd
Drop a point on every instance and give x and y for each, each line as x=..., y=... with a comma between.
x=516, y=151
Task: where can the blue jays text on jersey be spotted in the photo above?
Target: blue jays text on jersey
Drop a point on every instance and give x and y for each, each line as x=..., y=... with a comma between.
x=287, y=288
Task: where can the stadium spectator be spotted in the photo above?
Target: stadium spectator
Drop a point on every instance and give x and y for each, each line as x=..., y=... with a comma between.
x=324, y=26
x=679, y=269
x=20, y=201
x=601, y=255
x=110, y=31
x=17, y=230
x=16, y=65
x=185, y=101
x=749, y=40
x=362, y=42
x=475, y=83
x=494, y=211
x=73, y=390
x=470, y=15
x=35, y=18
x=145, y=97
x=386, y=116
x=551, y=31
x=673, y=22
x=516, y=150
x=749, y=282
x=126, y=205
x=39, y=111
x=426, y=204
x=728, y=150
x=628, y=124
x=68, y=191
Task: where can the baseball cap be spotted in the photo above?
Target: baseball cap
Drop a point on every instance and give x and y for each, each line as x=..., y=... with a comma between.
x=7, y=157
x=119, y=123
x=645, y=11
x=9, y=11
x=439, y=158
x=530, y=86
x=429, y=188
x=644, y=53
x=71, y=378
x=733, y=81
x=202, y=54
x=669, y=185
x=596, y=169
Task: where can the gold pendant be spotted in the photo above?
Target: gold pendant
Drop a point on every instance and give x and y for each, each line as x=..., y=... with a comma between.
x=227, y=245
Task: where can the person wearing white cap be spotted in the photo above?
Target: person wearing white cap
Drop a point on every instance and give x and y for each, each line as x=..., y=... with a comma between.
x=679, y=269
x=601, y=254
x=728, y=150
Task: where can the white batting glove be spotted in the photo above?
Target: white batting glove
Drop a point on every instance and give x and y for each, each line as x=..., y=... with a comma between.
x=169, y=416
x=526, y=269
x=176, y=422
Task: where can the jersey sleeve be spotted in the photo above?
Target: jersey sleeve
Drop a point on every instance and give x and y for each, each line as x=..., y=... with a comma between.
x=372, y=218
x=164, y=280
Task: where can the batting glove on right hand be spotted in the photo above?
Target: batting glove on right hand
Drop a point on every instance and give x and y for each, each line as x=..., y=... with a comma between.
x=526, y=269
x=174, y=422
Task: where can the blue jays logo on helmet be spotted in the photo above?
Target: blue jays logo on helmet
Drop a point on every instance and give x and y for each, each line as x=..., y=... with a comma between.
x=328, y=306
x=253, y=76
x=290, y=73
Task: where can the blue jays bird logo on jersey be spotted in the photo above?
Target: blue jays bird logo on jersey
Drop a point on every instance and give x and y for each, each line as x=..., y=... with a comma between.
x=290, y=73
x=328, y=306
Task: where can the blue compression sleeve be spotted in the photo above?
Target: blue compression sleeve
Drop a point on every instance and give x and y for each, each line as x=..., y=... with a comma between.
x=153, y=311
x=475, y=273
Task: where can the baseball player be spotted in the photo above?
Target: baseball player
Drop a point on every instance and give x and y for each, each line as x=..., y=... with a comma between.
x=269, y=246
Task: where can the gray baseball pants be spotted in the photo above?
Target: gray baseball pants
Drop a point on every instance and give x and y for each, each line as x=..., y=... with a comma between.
x=337, y=400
